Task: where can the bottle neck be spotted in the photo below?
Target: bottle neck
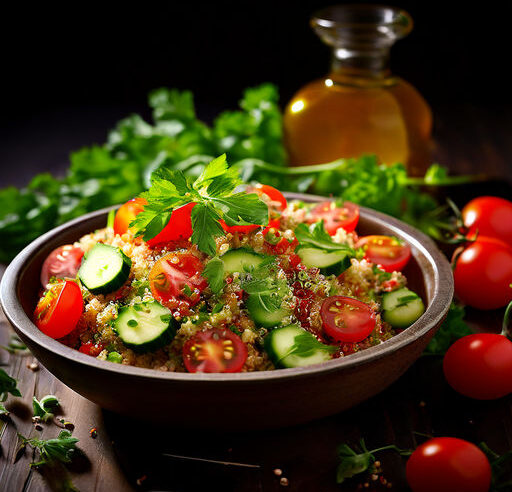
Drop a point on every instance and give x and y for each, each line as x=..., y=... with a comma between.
x=371, y=64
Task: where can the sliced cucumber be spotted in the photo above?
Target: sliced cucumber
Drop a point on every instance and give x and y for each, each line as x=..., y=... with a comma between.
x=330, y=262
x=402, y=307
x=279, y=344
x=241, y=260
x=263, y=314
x=145, y=327
x=104, y=269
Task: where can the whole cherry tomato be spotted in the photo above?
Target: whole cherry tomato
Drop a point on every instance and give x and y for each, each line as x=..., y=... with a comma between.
x=447, y=464
x=483, y=274
x=127, y=214
x=489, y=216
x=480, y=366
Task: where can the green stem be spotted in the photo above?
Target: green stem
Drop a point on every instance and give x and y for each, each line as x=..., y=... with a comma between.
x=453, y=180
x=290, y=171
x=402, y=452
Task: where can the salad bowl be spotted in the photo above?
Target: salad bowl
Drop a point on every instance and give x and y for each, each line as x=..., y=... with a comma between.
x=253, y=400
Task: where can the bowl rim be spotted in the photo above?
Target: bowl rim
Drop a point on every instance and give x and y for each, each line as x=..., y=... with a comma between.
x=434, y=313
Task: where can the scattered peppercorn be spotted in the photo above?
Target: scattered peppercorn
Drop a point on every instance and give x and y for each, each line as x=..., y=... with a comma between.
x=284, y=482
x=141, y=479
x=278, y=472
x=33, y=366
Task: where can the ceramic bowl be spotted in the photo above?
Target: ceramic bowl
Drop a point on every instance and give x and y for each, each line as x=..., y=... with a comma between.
x=250, y=400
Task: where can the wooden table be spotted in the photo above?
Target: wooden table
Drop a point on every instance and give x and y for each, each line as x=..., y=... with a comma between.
x=129, y=454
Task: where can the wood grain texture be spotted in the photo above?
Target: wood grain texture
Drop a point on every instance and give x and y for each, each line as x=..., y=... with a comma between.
x=469, y=140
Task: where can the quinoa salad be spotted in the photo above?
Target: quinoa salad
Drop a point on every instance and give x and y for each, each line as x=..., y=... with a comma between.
x=167, y=285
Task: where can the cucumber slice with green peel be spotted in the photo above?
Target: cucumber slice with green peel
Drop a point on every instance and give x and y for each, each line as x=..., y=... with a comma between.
x=263, y=314
x=145, y=327
x=241, y=260
x=104, y=269
x=402, y=307
x=292, y=346
x=329, y=262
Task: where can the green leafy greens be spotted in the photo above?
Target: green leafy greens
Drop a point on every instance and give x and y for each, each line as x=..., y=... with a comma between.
x=315, y=236
x=7, y=385
x=214, y=273
x=213, y=193
x=57, y=450
x=305, y=345
x=45, y=408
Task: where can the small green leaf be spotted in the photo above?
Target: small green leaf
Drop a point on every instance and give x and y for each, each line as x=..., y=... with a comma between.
x=7, y=385
x=214, y=273
x=317, y=237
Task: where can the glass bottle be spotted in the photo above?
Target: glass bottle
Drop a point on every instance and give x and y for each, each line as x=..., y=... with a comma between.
x=359, y=108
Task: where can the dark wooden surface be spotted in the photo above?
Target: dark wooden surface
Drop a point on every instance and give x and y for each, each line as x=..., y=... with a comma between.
x=469, y=140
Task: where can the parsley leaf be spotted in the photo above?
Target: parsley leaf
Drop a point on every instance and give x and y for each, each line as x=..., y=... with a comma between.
x=7, y=385
x=45, y=407
x=450, y=331
x=59, y=449
x=213, y=193
x=214, y=273
x=315, y=236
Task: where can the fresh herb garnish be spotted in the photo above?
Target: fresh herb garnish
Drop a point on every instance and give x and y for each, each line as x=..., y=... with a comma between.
x=3, y=411
x=450, y=331
x=315, y=236
x=45, y=408
x=213, y=193
x=214, y=273
x=59, y=449
x=7, y=385
x=354, y=462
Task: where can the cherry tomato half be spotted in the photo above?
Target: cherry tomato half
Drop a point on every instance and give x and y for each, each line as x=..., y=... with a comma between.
x=489, y=216
x=177, y=277
x=127, y=214
x=483, y=274
x=214, y=350
x=447, y=464
x=480, y=366
x=388, y=252
x=278, y=201
x=346, y=319
x=58, y=312
x=334, y=217
x=178, y=227
x=61, y=263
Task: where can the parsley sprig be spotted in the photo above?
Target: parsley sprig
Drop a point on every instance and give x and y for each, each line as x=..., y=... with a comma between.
x=59, y=449
x=315, y=236
x=215, y=198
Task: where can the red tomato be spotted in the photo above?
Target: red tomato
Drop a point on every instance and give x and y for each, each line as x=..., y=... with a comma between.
x=178, y=227
x=214, y=350
x=177, y=277
x=489, y=216
x=91, y=349
x=346, y=216
x=446, y=464
x=480, y=366
x=346, y=319
x=388, y=252
x=278, y=201
x=245, y=229
x=61, y=263
x=127, y=213
x=483, y=274
x=58, y=312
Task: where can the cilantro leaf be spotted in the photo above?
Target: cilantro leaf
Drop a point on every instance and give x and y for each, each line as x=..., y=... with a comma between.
x=315, y=236
x=214, y=273
x=7, y=385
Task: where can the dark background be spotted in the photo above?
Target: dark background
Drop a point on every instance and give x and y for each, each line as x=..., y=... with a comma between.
x=70, y=73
